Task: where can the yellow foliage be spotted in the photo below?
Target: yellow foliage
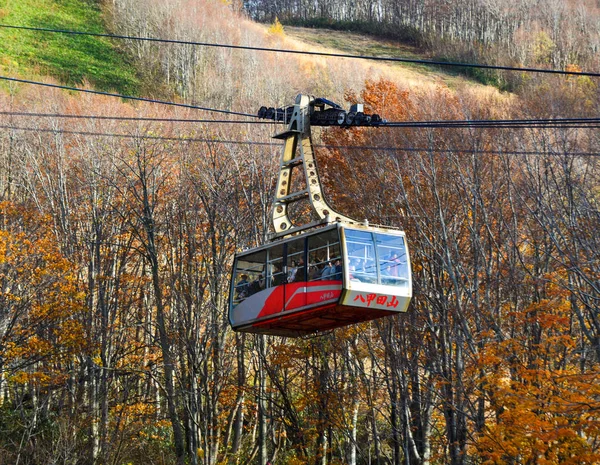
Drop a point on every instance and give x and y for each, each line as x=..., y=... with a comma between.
x=297, y=461
x=543, y=48
x=36, y=377
x=276, y=29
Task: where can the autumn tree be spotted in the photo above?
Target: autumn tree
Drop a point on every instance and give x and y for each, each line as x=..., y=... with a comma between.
x=41, y=330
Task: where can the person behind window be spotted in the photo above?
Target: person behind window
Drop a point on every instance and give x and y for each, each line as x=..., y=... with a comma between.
x=394, y=264
x=292, y=272
x=337, y=270
x=327, y=271
x=300, y=271
x=277, y=277
x=313, y=272
x=242, y=287
x=257, y=285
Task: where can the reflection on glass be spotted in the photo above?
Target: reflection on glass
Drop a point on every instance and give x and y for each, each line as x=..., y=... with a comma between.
x=361, y=256
x=377, y=258
x=393, y=263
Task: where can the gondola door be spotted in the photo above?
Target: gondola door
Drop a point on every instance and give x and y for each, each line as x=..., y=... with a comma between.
x=295, y=288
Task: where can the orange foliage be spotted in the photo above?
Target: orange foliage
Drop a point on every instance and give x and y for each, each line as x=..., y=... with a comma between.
x=361, y=173
x=41, y=300
x=539, y=410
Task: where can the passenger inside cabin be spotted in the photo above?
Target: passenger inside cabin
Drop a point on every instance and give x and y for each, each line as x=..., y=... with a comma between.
x=291, y=277
x=313, y=272
x=394, y=264
x=300, y=274
x=337, y=273
x=277, y=277
x=327, y=271
x=257, y=285
x=242, y=287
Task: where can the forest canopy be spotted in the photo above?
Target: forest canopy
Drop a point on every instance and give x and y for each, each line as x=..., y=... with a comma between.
x=117, y=239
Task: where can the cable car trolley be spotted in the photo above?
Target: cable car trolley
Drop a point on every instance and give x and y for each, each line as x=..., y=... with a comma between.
x=327, y=273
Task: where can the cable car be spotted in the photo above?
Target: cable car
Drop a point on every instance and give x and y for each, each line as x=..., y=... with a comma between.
x=329, y=273
x=334, y=276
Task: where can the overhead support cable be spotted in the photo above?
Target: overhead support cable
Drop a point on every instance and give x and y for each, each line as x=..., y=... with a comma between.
x=300, y=52
x=553, y=123
x=278, y=145
x=512, y=123
x=459, y=150
x=128, y=118
x=126, y=97
x=137, y=136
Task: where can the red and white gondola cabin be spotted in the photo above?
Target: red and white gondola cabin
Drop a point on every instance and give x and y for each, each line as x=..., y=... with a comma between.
x=323, y=279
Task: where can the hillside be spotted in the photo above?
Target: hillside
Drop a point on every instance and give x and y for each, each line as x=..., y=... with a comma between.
x=120, y=221
x=72, y=60
x=163, y=70
x=555, y=34
x=414, y=76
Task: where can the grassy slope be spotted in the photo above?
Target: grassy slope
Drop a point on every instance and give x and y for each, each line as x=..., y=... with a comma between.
x=359, y=44
x=70, y=59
